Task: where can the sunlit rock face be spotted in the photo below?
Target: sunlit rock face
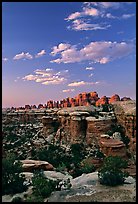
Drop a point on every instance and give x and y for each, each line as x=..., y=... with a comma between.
x=114, y=98
x=96, y=127
x=102, y=101
x=125, y=112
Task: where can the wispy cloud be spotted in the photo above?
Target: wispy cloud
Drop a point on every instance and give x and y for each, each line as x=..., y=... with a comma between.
x=89, y=68
x=47, y=76
x=86, y=12
x=96, y=52
x=83, y=83
x=95, y=10
x=90, y=75
x=81, y=25
x=40, y=54
x=5, y=59
x=23, y=56
x=105, y=5
x=126, y=16
x=68, y=90
x=73, y=16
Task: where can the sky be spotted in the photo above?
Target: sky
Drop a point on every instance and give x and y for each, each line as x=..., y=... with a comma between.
x=54, y=50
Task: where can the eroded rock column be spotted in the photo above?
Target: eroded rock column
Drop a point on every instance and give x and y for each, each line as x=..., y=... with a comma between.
x=78, y=129
x=48, y=125
x=95, y=128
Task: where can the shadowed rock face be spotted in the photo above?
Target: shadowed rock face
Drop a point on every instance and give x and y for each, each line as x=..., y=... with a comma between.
x=126, y=116
x=113, y=147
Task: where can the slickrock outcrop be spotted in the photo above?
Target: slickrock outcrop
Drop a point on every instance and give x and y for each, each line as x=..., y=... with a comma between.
x=30, y=165
x=86, y=188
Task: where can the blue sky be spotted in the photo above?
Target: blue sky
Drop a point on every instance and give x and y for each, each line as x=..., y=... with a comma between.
x=52, y=50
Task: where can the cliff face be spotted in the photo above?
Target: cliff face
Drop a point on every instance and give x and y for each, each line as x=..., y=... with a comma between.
x=77, y=125
x=125, y=112
x=85, y=124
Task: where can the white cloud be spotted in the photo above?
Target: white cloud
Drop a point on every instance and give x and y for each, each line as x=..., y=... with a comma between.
x=89, y=68
x=68, y=90
x=83, y=83
x=86, y=12
x=126, y=16
x=30, y=77
x=105, y=5
x=81, y=25
x=59, y=48
x=47, y=76
x=23, y=56
x=91, y=75
x=109, y=15
x=73, y=16
x=110, y=4
x=96, y=52
x=41, y=53
x=90, y=11
x=5, y=59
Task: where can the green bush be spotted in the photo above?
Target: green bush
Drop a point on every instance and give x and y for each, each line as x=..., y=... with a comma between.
x=33, y=199
x=88, y=168
x=42, y=187
x=78, y=152
x=17, y=199
x=61, y=167
x=111, y=174
x=12, y=180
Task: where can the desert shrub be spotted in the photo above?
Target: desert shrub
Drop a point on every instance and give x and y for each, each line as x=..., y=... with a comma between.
x=111, y=174
x=54, y=154
x=78, y=152
x=61, y=167
x=125, y=139
x=99, y=154
x=12, y=180
x=76, y=171
x=33, y=199
x=17, y=199
x=42, y=187
x=105, y=107
x=87, y=168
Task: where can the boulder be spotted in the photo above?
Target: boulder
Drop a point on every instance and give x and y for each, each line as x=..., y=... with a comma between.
x=85, y=180
x=30, y=165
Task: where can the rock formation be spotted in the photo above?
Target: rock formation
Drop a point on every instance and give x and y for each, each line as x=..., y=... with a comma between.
x=31, y=165
x=114, y=98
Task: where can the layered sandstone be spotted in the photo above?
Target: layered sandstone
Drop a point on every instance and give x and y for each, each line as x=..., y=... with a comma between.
x=112, y=147
x=96, y=127
x=126, y=116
